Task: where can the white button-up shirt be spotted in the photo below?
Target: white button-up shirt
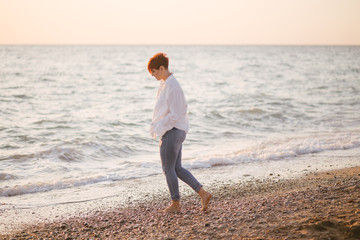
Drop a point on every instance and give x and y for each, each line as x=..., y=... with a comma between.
x=170, y=108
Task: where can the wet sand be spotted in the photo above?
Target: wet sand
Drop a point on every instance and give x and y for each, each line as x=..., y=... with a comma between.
x=323, y=205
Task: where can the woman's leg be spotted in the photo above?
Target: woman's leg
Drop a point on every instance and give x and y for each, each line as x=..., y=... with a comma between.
x=185, y=175
x=169, y=150
x=190, y=180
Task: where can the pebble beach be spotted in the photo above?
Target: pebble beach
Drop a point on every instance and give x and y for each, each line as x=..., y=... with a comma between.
x=320, y=205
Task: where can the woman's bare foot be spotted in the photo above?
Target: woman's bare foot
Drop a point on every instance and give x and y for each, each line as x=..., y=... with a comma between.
x=205, y=199
x=174, y=207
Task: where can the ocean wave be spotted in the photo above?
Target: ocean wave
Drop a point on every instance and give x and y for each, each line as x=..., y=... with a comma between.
x=22, y=96
x=68, y=154
x=5, y=176
x=273, y=150
x=39, y=187
x=252, y=111
x=44, y=187
x=75, y=151
x=280, y=149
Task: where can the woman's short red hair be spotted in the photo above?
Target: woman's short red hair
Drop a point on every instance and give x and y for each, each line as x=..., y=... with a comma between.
x=157, y=61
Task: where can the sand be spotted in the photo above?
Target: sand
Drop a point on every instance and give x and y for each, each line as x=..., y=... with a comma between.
x=323, y=205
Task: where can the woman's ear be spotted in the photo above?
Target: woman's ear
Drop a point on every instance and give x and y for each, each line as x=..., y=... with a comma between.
x=161, y=68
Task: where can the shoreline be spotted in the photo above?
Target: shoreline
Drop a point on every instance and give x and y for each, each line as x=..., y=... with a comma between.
x=51, y=206
x=314, y=205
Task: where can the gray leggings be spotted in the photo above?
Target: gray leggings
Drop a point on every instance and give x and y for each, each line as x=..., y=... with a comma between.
x=170, y=153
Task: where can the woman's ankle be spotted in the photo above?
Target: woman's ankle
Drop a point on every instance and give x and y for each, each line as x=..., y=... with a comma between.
x=174, y=207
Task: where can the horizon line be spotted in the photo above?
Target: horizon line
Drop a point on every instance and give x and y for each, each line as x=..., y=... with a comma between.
x=167, y=44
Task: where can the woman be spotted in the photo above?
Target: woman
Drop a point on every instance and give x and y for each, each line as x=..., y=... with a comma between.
x=170, y=122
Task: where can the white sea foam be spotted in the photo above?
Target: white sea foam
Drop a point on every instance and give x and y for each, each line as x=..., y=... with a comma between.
x=48, y=186
x=281, y=149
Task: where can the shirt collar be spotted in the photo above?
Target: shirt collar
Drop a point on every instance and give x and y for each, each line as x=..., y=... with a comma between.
x=169, y=79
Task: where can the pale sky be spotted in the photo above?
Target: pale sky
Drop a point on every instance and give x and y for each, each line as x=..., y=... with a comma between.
x=314, y=22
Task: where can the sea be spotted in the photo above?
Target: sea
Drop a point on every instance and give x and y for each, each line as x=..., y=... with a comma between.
x=75, y=119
